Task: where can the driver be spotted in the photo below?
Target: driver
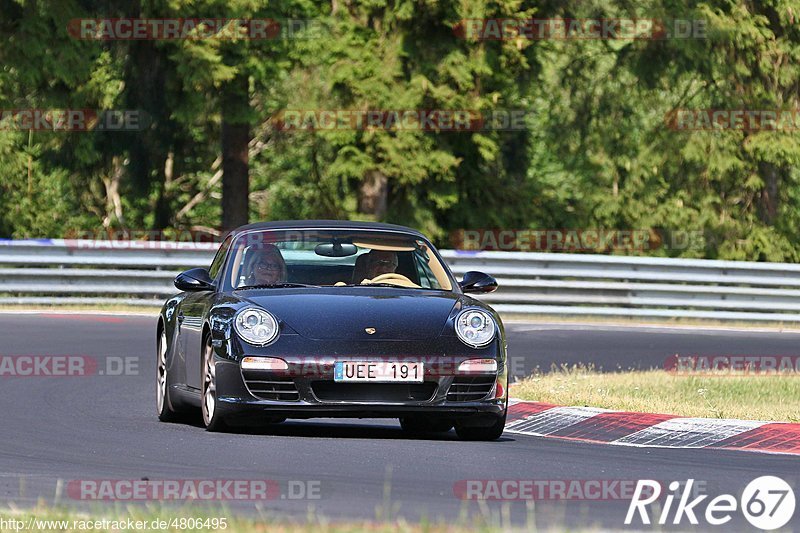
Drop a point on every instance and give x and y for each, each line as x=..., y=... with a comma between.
x=267, y=267
x=380, y=262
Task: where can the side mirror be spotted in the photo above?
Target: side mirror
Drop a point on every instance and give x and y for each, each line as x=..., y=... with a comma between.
x=478, y=282
x=194, y=280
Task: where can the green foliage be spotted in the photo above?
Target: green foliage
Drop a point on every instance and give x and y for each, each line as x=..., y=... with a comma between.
x=597, y=153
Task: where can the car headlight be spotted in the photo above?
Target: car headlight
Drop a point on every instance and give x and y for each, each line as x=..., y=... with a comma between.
x=256, y=326
x=475, y=328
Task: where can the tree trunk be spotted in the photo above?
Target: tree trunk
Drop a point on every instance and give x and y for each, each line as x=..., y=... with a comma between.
x=768, y=197
x=235, y=158
x=114, y=212
x=146, y=75
x=374, y=194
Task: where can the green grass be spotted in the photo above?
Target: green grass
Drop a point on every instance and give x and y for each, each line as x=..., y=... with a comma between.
x=508, y=317
x=262, y=522
x=649, y=321
x=114, y=308
x=723, y=395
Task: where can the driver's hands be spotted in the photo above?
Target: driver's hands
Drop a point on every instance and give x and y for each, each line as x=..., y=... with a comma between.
x=391, y=278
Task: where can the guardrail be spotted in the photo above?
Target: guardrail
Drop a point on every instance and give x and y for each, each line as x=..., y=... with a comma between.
x=138, y=273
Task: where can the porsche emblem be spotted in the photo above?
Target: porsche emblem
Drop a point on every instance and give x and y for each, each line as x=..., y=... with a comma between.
x=370, y=331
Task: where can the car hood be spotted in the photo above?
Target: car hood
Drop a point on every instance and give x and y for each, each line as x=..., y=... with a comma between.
x=346, y=312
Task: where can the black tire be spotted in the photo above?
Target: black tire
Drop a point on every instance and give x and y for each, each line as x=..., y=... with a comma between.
x=212, y=418
x=420, y=425
x=492, y=432
x=166, y=411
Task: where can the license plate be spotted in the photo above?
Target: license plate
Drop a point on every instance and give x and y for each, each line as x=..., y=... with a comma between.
x=377, y=372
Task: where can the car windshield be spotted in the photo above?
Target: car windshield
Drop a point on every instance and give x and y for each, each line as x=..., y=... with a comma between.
x=336, y=258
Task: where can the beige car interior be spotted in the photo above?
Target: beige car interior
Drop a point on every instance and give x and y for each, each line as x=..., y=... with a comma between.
x=359, y=271
x=360, y=268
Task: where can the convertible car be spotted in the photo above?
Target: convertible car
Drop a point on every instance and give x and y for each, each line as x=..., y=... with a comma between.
x=333, y=319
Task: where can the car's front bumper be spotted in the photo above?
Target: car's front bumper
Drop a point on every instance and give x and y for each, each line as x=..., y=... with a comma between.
x=488, y=410
x=307, y=390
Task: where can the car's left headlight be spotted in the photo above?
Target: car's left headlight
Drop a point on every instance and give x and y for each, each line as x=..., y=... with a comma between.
x=475, y=328
x=256, y=326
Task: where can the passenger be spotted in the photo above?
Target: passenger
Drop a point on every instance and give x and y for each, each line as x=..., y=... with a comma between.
x=267, y=267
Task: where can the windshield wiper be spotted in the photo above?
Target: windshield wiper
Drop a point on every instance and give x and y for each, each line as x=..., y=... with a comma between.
x=284, y=285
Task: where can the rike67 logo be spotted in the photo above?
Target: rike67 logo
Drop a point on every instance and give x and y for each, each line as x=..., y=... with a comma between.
x=767, y=502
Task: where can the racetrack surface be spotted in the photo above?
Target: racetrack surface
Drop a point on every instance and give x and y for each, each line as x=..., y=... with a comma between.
x=611, y=348
x=105, y=427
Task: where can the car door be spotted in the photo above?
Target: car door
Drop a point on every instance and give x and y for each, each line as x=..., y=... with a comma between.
x=190, y=329
x=191, y=317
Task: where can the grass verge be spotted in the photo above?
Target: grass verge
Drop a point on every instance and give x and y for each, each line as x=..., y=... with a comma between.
x=649, y=321
x=88, y=309
x=721, y=395
x=507, y=317
x=163, y=518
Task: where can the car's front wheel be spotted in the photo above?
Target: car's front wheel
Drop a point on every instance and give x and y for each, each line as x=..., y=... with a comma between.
x=211, y=415
x=166, y=412
x=492, y=432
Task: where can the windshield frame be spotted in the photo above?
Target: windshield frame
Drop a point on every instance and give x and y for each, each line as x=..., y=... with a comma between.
x=226, y=284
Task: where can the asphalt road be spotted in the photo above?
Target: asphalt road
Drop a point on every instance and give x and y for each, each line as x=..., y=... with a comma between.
x=610, y=348
x=104, y=427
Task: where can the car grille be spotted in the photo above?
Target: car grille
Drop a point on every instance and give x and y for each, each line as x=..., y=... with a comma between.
x=266, y=386
x=470, y=389
x=330, y=391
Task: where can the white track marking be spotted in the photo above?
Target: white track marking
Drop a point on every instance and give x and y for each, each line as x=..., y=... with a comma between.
x=689, y=432
x=553, y=420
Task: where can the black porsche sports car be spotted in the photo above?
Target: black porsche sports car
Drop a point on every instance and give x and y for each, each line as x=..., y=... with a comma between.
x=333, y=319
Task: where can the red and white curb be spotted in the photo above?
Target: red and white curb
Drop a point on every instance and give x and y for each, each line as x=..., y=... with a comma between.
x=622, y=428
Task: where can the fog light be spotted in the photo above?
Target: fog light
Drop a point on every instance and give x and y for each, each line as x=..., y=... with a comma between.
x=264, y=363
x=478, y=366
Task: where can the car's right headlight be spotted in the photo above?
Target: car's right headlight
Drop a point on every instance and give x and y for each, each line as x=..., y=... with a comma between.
x=256, y=326
x=475, y=327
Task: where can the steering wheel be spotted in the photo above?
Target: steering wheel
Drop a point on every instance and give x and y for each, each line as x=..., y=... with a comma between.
x=393, y=277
